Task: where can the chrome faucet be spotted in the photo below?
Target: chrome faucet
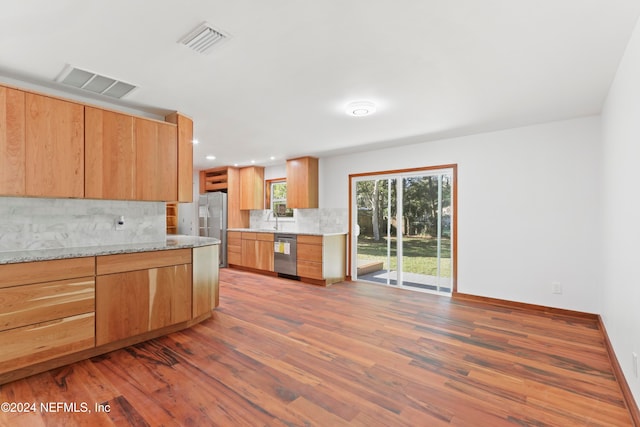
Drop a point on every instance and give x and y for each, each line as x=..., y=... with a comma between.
x=275, y=215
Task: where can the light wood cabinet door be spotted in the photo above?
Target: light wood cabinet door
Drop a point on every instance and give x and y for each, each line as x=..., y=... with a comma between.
x=302, y=183
x=257, y=251
x=156, y=160
x=264, y=255
x=12, y=142
x=252, y=187
x=135, y=302
x=185, y=156
x=236, y=217
x=54, y=147
x=110, y=155
x=205, y=280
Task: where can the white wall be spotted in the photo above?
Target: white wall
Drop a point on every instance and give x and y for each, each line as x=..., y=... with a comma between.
x=621, y=204
x=528, y=208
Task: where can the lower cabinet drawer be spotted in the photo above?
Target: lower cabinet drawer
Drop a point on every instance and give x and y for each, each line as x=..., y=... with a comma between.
x=29, y=304
x=310, y=269
x=309, y=252
x=234, y=255
x=47, y=340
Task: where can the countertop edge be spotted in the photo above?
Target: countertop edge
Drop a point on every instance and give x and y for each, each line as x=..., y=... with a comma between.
x=171, y=242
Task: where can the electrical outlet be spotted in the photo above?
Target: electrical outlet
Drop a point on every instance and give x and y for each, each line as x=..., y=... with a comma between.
x=556, y=288
x=119, y=223
x=635, y=363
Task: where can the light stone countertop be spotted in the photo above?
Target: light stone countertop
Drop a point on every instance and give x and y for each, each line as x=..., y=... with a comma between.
x=266, y=230
x=172, y=242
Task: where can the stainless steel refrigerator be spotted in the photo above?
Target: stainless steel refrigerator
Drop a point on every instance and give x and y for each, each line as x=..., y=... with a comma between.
x=212, y=220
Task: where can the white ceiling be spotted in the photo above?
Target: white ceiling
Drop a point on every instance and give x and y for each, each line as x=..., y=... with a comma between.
x=279, y=85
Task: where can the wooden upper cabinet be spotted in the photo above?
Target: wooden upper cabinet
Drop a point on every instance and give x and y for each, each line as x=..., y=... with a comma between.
x=156, y=160
x=54, y=149
x=302, y=183
x=110, y=155
x=185, y=155
x=12, y=142
x=252, y=187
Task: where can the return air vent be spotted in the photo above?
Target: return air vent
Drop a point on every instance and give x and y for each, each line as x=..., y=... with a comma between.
x=203, y=38
x=95, y=83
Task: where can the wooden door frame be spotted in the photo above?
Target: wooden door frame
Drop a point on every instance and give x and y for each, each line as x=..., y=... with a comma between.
x=454, y=219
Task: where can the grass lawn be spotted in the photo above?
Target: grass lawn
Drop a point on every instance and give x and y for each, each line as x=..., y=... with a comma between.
x=419, y=254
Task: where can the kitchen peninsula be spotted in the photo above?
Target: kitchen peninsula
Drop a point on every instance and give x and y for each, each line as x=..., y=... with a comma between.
x=64, y=305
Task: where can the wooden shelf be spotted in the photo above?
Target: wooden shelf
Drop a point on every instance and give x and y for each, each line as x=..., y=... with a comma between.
x=213, y=180
x=172, y=218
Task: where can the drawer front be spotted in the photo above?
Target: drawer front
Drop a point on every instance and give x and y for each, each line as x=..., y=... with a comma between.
x=234, y=235
x=26, y=273
x=109, y=264
x=265, y=237
x=234, y=240
x=309, y=252
x=248, y=236
x=29, y=304
x=311, y=240
x=43, y=341
x=310, y=269
x=234, y=258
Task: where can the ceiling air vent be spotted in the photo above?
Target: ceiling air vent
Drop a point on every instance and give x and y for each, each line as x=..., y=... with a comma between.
x=203, y=38
x=95, y=83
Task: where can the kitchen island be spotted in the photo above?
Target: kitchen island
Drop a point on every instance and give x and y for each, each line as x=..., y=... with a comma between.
x=58, y=306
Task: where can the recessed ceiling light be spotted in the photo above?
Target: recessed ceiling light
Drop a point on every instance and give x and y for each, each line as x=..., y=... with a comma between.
x=272, y=157
x=253, y=162
x=235, y=165
x=211, y=157
x=360, y=108
x=195, y=142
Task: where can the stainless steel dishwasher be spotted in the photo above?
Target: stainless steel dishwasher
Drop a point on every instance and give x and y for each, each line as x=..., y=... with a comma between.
x=284, y=254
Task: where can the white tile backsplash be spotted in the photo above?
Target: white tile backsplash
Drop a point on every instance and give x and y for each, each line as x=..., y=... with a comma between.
x=304, y=221
x=36, y=223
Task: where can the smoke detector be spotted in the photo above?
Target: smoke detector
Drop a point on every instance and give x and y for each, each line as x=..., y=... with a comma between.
x=203, y=38
x=93, y=82
x=360, y=108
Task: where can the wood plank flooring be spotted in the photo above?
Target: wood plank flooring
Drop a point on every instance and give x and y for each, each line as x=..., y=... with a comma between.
x=284, y=353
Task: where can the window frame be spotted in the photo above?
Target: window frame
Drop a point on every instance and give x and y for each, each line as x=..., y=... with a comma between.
x=268, y=198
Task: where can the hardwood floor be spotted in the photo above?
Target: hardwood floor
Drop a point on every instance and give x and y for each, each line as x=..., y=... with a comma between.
x=283, y=353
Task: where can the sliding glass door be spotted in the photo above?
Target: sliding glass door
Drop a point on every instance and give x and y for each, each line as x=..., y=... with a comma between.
x=403, y=228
